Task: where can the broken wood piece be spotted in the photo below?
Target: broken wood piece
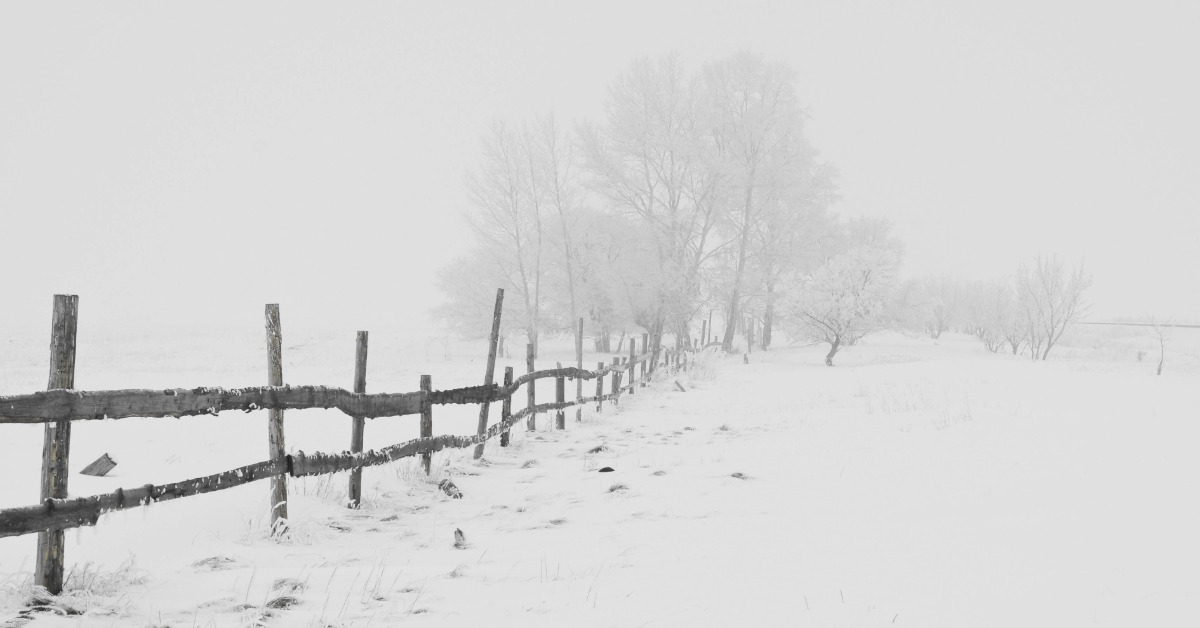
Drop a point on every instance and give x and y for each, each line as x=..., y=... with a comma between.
x=100, y=467
x=680, y=386
x=450, y=489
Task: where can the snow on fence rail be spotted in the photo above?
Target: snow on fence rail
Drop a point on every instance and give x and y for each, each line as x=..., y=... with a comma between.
x=61, y=405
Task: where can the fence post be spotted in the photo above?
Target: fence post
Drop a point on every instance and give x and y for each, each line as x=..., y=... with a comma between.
x=275, y=441
x=579, y=365
x=506, y=405
x=616, y=382
x=56, y=444
x=426, y=420
x=358, y=424
x=703, y=329
x=491, y=369
x=632, y=364
x=531, y=422
x=600, y=386
x=560, y=396
x=645, y=363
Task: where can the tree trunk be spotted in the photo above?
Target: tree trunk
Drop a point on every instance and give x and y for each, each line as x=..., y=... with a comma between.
x=833, y=349
x=743, y=245
x=683, y=334
x=602, y=340
x=731, y=324
x=531, y=334
x=768, y=317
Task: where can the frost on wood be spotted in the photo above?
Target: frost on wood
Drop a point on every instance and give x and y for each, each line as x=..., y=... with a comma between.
x=58, y=514
x=77, y=405
x=74, y=405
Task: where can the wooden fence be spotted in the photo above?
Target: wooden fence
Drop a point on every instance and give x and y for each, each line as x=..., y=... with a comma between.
x=58, y=407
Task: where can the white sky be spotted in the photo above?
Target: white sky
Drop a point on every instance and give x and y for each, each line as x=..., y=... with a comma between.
x=195, y=161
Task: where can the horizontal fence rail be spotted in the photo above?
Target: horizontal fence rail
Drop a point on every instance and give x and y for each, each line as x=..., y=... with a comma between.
x=76, y=405
x=59, y=406
x=72, y=405
x=60, y=514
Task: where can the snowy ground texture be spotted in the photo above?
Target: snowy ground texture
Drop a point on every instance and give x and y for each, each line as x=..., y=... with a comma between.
x=919, y=483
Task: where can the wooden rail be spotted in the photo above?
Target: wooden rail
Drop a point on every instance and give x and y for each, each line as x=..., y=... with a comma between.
x=58, y=514
x=62, y=405
x=77, y=405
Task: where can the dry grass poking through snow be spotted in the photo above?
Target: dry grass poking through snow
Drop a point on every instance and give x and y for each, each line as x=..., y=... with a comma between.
x=88, y=589
x=916, y=484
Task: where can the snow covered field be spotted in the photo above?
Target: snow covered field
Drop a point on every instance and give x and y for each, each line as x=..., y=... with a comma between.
x=919, y=483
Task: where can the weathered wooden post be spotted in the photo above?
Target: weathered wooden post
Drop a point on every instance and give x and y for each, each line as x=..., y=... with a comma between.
x=645, y=349
x=426, y=419
x=632, y=363
x=491, y=369
x=579, y=365
x=560, y=396
x=358, y=424
x=506, y=405
x=275, y=443
x=616, y=382
x=599, y=385
x=530, y=423
x=703, y=329
x=710, y=329
x=56, y=444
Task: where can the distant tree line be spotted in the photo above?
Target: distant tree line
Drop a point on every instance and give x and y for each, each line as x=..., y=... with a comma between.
x=1025, y=313
x=697, y=192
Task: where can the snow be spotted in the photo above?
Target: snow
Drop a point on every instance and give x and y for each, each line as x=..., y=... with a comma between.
x=917, y=483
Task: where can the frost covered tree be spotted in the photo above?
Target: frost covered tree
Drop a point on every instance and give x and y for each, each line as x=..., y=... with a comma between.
x=505, y=213
x=990, y=313
x=552, y=160
x=1050, y=297
x=758, y=132
x=793, y=227
x=652, y=161
x=703, y=178
x=943, y=299
x=844, y=299
x=606, y=260
x=469, y=283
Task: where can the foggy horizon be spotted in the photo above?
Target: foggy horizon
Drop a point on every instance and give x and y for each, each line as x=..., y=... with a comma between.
x=174, y=167
x=840, y=281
